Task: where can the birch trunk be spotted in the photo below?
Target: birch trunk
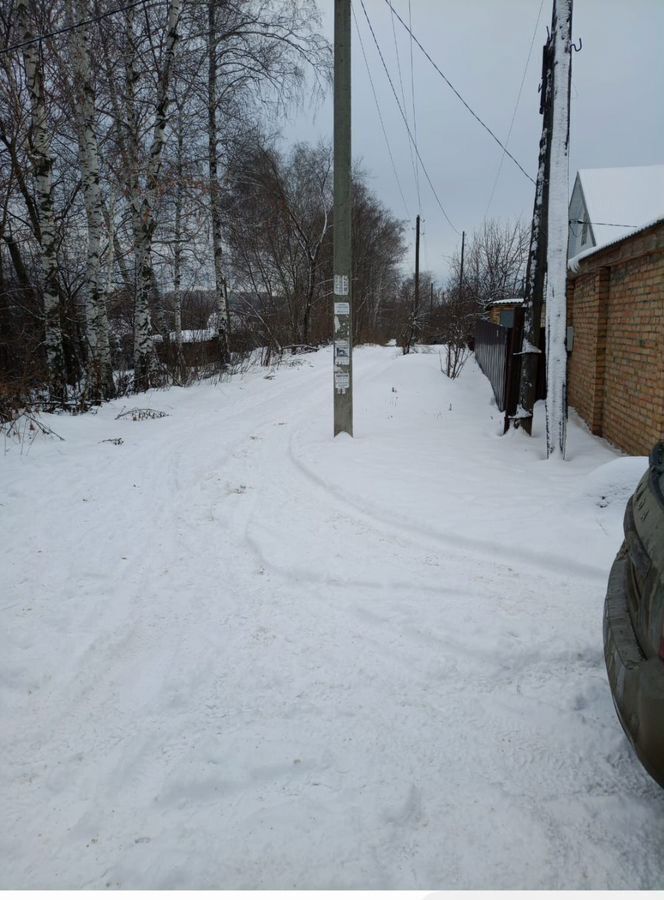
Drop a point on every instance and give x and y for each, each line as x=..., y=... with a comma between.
x=144, y=211
x=42, y=169
x=132, y=154
x=556, y=299
x=223, y=313
x=100, y=368
x=180, y=372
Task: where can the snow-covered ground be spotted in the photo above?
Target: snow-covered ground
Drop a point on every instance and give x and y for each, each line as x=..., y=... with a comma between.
x=238, y=653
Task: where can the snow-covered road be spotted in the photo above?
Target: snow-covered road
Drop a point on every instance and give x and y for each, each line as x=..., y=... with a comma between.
x=238, y=653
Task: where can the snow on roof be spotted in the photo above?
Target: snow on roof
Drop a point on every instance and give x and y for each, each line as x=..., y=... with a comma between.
x=627, y=197
x=573, y=263
x=513, y=301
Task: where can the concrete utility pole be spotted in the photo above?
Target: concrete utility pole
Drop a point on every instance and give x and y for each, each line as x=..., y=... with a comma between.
x=343, y=338
x=417, y=265
x=463, y=244
x=536, y=269
x=557, y=235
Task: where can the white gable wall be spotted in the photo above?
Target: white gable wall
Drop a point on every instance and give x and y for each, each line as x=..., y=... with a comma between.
x=580, y=237
x=616, y=202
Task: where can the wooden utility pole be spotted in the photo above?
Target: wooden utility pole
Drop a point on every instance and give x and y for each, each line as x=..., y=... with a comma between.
x=463, y=244
x=557, y=235
x=536, y=268
x=343, y=338
x=417, y=265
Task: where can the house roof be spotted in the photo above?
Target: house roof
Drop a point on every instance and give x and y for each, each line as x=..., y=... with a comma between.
x=513, y=301
x=573, y=263
x=622, y=200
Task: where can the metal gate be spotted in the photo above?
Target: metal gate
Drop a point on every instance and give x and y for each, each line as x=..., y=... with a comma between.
x=497, y=351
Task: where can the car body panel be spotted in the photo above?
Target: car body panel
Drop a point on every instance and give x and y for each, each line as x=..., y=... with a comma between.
x=634, y=620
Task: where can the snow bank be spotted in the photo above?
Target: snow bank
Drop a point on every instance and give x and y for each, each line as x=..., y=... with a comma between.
x=615, y=481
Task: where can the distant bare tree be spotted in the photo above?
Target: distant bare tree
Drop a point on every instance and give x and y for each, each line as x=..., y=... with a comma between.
x=278, y=213
x=453, y=322
x=494, y=263
x=378, y=248
x=414, y=314
x=254, y=49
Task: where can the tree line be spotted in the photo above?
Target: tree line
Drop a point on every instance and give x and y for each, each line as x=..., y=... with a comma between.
x=141, y=162
x=146, y=190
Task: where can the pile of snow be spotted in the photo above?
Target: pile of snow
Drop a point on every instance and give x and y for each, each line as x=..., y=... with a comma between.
x=615, y=481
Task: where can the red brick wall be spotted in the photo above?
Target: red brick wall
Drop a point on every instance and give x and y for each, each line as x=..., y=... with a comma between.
x=616, y=369
x=585, y=388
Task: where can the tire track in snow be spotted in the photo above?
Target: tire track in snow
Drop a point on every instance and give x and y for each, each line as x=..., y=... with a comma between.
x=486, y=551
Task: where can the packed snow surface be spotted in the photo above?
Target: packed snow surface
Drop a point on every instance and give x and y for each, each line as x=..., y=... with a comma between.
x=238, y=653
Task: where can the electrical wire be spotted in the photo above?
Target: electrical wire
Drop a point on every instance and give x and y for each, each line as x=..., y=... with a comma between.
x=403, y=99
x=412, y=95
x=454, y=90
x=516, y=106
x=380, y=115
x=75, y=25
x=610, y=224
x=405, y=120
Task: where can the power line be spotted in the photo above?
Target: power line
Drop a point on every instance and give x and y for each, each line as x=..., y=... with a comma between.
x=412, y=94
x=454, y=90
x=403, y=116
x=403, y=100
x=75, y=25
x=380, y=115
x=610, y=224
x=516, y=106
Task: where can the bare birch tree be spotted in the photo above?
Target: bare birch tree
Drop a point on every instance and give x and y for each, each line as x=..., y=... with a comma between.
x=42, y=170
x=213, y=174
x=100, y=369
x=125, y=207
x=255, y=49
x=144, y=203
x=495, y=261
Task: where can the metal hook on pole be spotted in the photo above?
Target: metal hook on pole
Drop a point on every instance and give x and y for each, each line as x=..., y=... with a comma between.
x=572, y=46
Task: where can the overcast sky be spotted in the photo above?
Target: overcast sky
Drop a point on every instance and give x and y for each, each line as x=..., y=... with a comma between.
x=482, y=47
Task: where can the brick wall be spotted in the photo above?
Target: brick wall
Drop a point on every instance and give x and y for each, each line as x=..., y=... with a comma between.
x=616, y=369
